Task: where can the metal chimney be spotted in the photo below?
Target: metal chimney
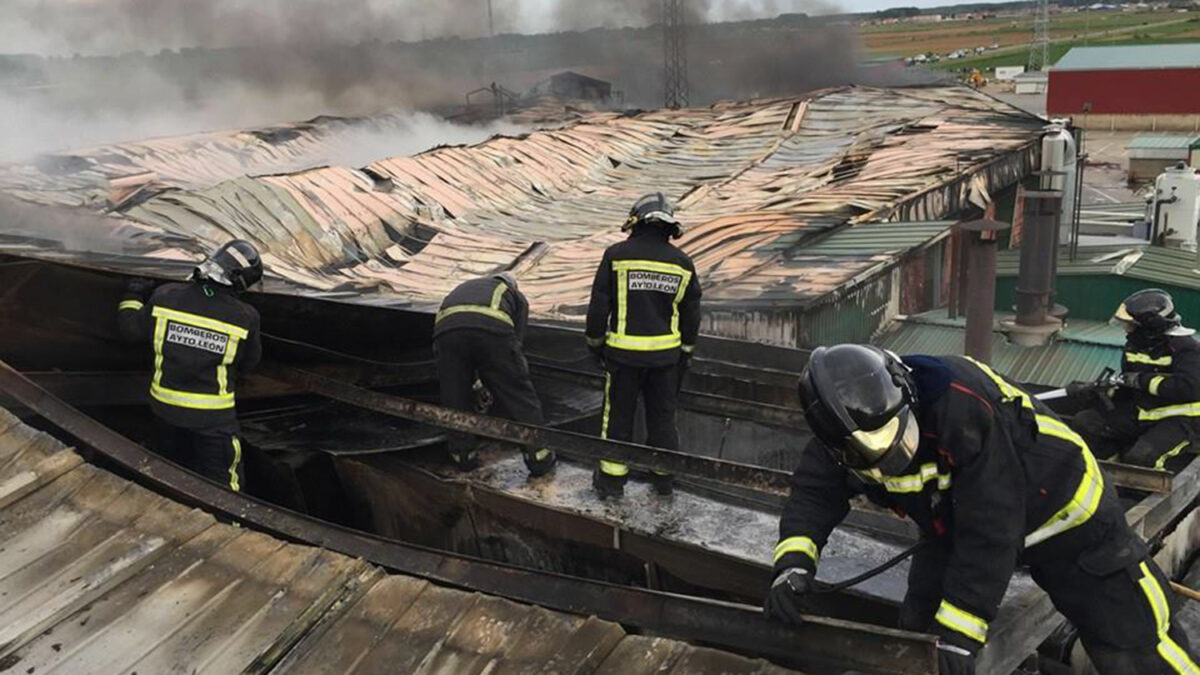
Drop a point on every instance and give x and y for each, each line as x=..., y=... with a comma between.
x=980, y=237
x=1034, y=324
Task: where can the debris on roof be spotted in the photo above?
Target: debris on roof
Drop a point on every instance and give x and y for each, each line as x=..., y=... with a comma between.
x=755, y=181
x=101, y=575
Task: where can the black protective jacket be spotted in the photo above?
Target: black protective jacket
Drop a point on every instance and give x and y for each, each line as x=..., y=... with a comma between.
x=203, y=337
x=996, y=476
x=1169, y=386
x=486, y=303
x=645, y=305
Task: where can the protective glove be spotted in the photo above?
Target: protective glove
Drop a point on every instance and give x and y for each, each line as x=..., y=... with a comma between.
x=597, y=354
x=140, y=286
x=1131, y=380
x=955, y=660
x=790, y=597
x=1079, y=389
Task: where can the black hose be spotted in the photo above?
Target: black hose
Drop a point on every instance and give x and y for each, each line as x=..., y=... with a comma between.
x=823, y=587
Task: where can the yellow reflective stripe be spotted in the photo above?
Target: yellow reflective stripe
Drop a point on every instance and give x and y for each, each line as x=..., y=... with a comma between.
x=160, y=334
x=135, y=305
x=915, y=482
x=1138, y=357
x=1167, y=648
x=962, y=622
x=187, y=399
x=622, y=300
x=1162, y=461
x=498, y=314
x=1155, y=383
x=498, y=294
x=607, y=404
x=613, y=468
x=223, y=370
x=1180, y=410
x=644, y=343
x=1086, y=500
x=796, y=544
x=234, y=483
x=652, y=266
x=201, y=321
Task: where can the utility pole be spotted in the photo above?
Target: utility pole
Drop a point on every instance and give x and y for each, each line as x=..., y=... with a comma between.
x=675, y=82
x=1039, y=48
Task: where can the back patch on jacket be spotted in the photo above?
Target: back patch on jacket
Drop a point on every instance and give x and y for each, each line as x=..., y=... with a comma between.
x=641, y=280
x=198, y=338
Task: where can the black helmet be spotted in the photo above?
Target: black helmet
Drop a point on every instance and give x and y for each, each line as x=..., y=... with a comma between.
x=858, y=400
x=654, y=208
x=236, y=264
x=1150, y=309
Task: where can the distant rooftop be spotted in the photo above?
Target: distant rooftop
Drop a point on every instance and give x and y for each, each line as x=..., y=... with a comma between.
x=1131, y=58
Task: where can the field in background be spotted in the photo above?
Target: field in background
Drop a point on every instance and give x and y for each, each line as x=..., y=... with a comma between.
x=1013, y=33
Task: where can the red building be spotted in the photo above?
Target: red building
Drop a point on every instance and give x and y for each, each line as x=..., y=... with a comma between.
x=1156, y=80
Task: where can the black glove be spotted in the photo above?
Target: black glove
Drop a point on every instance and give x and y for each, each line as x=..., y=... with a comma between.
x=790, y=597
x=140, y=286
x=597, y=353
x=1079, y=389
x=1131, y=380
x=954, y=660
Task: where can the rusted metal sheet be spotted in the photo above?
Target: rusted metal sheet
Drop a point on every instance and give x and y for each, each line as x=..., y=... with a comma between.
x=819, y=645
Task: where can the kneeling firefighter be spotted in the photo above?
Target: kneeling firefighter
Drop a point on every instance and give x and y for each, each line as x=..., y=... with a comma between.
x=642, y=324
x=203, y=337
x=993, y=479
x=478, y=333
x=1156, y=414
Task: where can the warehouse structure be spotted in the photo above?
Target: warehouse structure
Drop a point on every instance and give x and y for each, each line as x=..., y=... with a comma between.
x=1145, y=87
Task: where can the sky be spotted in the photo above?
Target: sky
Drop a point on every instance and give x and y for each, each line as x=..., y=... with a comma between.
x=65, y=27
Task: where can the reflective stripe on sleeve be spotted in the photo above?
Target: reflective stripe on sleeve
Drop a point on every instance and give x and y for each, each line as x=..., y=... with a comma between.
x=1155, y=383
x=135, y=305
x=1167, y=648
x=796, y=545
x=961, y=621
x=1180, y=410
x=915, y=482
x=1138, y=357
x=1162, y=461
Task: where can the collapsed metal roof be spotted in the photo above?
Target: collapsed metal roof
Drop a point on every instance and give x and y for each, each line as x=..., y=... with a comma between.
x=102, y=575
x=756, y=183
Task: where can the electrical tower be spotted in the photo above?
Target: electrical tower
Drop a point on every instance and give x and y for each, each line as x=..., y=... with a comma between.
x=675, y=82
x=1039, y=48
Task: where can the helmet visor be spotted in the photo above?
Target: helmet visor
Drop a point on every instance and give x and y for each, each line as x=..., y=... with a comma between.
x=890, y=447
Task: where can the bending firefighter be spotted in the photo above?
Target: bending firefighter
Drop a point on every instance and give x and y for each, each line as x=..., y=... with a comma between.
x=478, y=333
x=203, y=337
x=642, y=324
x=993, y=479
x=1155, y=415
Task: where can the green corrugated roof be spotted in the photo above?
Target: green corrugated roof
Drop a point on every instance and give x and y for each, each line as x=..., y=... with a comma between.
x=1080, y=352
x=875, y=238
x=1161, y=142
x=1151, y=264
x=1131, y=57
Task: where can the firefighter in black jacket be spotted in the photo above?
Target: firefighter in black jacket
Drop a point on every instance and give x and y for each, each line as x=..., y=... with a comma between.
x=203, y=337
x=478, y=333
x=642, y=324
x=1156, y=414
x=993, y=479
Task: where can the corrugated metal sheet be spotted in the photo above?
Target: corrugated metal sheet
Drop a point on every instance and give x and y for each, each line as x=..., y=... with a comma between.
x=876, y=238
x=99, y=575
x=1134, y=57
x=1161, y=142
x=1055, y=365
x=753, y=180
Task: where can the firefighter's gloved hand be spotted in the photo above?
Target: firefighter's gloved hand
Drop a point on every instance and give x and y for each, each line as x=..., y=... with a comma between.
x=1131, y=380
x=1079, y=389
x=140, y=286
x=955, y=660
x=790, y=597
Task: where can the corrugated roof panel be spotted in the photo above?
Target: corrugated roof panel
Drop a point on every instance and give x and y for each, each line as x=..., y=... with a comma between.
x=873, y=238
x=1161, y=141
x=1130, y=57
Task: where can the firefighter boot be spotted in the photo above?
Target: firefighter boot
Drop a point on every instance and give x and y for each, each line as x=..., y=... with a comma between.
x=465, y=461
x=609, y=479
x=540, y=462
x=663, y=483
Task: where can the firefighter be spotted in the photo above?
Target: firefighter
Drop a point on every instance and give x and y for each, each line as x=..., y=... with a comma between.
x=642, y=324
x=478, y=333
x=1155, y=415
x=203, y=337
x=993, y=479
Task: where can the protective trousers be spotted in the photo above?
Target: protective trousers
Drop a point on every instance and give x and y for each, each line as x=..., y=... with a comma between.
x=1119, y=603
x=659, y=391
x=499, y=362
x=215, y=453
x=1119, y=432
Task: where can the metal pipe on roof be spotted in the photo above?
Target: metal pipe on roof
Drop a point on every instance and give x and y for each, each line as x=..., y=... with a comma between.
x=980, y=238
x=1035, y=282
